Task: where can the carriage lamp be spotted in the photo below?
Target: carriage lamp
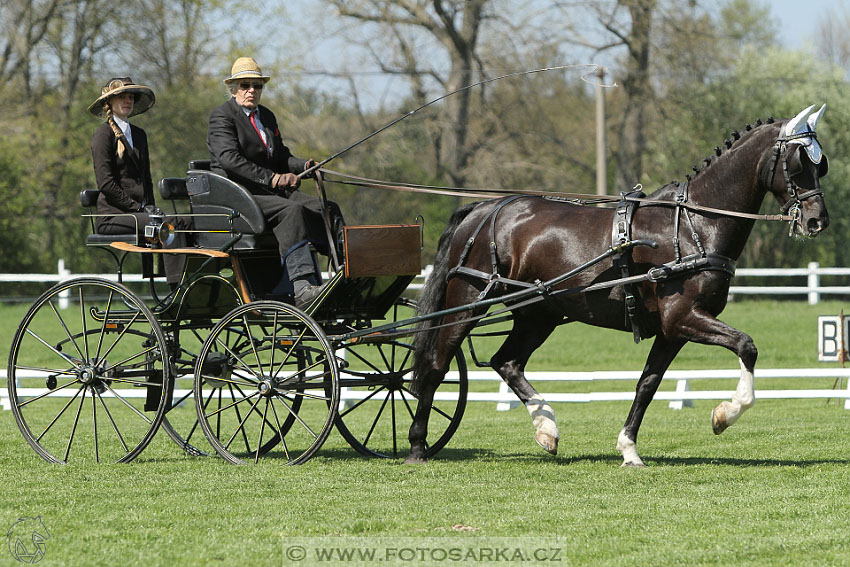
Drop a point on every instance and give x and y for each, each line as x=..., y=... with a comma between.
x=159, y=232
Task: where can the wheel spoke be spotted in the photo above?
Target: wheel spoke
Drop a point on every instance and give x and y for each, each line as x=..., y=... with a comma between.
x=76, y=421
x=65, y=328
x=112, y=421
x=55, y=419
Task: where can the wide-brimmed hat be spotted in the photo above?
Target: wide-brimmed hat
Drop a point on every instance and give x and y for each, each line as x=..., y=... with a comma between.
x=144, y=97
x=246, y=68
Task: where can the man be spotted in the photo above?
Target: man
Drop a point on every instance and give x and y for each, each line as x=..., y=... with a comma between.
x=245, y=145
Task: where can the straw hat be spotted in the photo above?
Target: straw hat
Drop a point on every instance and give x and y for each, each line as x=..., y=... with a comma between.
x=245, y=68
x=144, y=97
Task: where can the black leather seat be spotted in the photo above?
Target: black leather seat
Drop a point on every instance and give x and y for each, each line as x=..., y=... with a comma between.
x=236, y=210
x=88, y=199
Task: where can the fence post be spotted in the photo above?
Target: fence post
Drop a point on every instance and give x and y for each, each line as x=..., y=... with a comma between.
x=504, y=391
x=66, y=294
x=813, y=282
x=681, y=387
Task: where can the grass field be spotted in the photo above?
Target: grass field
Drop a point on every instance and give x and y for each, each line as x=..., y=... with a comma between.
x=772, y=490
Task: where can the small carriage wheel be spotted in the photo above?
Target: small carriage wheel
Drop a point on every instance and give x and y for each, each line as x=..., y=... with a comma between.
x=377, y=376
x=186, y=338
x=86, y=375
x=266, y=384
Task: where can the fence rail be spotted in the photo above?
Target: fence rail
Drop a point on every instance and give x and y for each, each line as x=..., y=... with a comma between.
x=813, y=290
x=505, y=399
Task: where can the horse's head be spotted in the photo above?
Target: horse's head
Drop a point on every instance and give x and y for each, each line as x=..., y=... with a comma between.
x=793, y=174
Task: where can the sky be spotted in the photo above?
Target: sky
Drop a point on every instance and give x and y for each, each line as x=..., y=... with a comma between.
x=801, y=17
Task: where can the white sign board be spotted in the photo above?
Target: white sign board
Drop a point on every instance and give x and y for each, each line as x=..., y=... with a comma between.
x=832, y=338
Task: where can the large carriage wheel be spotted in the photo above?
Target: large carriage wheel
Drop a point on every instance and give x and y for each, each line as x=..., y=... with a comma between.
x=86, y=376
x=378, y=407
x=187, y=337
x=181, y=422
x=266, y=384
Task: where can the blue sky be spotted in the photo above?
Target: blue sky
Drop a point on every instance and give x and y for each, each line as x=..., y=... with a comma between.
x=801, y=16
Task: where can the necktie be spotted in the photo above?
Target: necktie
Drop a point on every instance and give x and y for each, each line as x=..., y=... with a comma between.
x=254, y=124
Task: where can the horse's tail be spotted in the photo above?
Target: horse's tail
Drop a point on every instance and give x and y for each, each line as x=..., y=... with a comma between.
x=434, y=299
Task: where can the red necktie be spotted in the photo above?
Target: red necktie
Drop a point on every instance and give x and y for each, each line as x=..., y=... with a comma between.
x=254, y=124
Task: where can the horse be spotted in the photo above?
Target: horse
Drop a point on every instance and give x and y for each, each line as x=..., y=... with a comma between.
x=673, y=292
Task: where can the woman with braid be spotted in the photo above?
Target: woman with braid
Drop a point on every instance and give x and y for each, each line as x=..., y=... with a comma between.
x=122, y=168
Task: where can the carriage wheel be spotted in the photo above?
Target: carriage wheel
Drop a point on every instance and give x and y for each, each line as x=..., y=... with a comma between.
x=181, y=422
x=186, y=337
x=266, y=384
x=375, y=376
x=86, y=376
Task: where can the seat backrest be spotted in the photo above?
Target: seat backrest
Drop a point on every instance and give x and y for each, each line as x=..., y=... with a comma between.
x=214, y=194
x=203, y=164
x=173, y=188
x=88, y=197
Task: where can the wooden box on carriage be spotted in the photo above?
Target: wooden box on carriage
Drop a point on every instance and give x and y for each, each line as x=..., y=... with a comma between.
x=382, y=250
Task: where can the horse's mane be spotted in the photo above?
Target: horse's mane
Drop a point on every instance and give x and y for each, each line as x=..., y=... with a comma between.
x=668, y=191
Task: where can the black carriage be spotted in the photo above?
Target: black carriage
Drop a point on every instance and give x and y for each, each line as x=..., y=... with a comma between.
x=225, y=360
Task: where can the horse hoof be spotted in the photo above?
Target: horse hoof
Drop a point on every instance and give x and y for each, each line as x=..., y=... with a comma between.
x=638, y=464
x=547, y=442
x=719, y=422
x=411, y=460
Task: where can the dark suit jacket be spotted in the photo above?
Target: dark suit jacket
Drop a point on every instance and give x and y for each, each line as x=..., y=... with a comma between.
x=125, y=183
x=237, y=151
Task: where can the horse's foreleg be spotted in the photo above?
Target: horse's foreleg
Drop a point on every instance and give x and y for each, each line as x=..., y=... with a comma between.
x=743, y=399
x=703, y=328
x=510, y=362
x=660, y=356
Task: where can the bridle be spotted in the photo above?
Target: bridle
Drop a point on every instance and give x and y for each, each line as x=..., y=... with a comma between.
x=795, y=199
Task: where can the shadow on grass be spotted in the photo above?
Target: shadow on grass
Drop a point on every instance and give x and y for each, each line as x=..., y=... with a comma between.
x=344, y=454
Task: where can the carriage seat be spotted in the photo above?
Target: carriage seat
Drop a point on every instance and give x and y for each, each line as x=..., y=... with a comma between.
x=88, y=199
x=213, y=194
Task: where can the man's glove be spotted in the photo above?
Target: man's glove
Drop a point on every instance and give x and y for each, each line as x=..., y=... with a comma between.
x=153, y=210
x=285, y=183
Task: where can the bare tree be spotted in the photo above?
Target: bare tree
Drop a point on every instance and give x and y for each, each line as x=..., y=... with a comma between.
x=456, y=26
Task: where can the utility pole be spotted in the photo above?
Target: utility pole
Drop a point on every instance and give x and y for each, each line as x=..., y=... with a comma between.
x=601, y=146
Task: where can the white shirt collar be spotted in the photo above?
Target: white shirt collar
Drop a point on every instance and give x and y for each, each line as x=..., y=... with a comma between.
x=125, y=127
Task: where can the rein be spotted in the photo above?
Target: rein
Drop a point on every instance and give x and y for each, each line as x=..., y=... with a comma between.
x=574, y=198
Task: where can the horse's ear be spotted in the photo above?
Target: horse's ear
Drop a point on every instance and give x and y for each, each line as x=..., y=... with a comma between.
x=793, y=125
x=812, y=121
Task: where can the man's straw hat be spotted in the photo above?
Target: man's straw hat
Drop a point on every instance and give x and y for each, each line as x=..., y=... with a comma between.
x=245, y=68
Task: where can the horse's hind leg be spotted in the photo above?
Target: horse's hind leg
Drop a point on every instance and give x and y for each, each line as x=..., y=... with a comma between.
x=510, y=360
x=433, y=371
x=660, y=356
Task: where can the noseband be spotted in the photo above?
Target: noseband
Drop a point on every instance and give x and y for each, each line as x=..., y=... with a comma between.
x=794, y=199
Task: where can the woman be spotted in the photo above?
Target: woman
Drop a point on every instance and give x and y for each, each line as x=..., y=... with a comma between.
x=122, y=168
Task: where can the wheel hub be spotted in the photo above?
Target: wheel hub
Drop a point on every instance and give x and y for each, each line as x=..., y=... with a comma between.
x=265, y=388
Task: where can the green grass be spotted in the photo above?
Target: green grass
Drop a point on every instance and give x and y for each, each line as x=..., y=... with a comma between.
x=772, y=490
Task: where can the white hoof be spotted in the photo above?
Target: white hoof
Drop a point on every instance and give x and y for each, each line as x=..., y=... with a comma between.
x=629, y=450
x=548, y=442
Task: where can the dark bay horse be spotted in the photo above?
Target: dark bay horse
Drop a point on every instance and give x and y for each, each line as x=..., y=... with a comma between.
x=533, y=239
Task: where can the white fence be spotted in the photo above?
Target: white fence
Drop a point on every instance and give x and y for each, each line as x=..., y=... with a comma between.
x=811, y=274
x=681, y=397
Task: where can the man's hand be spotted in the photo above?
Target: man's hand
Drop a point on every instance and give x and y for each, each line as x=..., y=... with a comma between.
x=310, y=163
x=153, y=210
x=285, y=182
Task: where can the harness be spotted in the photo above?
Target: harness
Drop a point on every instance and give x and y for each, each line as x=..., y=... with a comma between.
x=792, y=205
x=622, y=243
x=621, y=232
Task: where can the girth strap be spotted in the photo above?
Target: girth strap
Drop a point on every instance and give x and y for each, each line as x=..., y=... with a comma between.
x=622, y=232
x=493, y=278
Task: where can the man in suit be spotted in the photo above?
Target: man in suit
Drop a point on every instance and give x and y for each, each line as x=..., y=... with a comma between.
x=245, y=145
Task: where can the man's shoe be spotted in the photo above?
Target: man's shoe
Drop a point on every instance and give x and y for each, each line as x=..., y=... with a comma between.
x=307, y=294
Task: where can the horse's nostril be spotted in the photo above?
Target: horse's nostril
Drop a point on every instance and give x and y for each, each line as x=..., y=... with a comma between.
x=815, y=225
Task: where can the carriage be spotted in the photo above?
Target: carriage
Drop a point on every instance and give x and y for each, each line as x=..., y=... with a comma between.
x=225, y=356
x=225, y=361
